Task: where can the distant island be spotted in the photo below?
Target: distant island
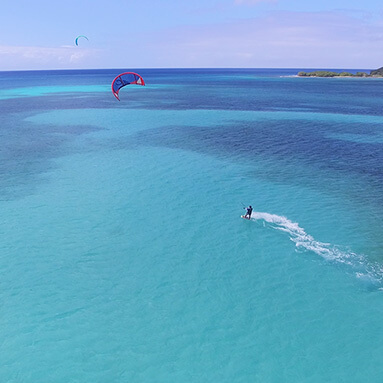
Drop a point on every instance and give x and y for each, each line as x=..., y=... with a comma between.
x=324, y=73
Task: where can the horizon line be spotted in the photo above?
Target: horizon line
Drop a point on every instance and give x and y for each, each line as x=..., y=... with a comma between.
x=179, y=68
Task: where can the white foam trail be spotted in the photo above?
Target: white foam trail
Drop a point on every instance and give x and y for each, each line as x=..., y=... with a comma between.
x=303, y=241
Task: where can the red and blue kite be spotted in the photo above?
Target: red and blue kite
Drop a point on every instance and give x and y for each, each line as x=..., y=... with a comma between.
x=123, y=79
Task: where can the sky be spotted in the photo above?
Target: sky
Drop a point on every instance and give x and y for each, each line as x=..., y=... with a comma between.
x=40, y=34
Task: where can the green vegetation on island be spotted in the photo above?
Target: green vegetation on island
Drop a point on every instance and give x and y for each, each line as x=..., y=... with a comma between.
x=324, y=73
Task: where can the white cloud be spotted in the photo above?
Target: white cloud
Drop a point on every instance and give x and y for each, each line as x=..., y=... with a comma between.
x=17, y=57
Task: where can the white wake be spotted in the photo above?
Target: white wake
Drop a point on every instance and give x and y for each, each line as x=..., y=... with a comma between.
x=303, y=241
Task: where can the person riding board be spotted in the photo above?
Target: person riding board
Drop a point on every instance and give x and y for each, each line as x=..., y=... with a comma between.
x=249, y=210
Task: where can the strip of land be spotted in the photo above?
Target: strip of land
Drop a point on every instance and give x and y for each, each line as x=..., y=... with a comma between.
x=324, y=73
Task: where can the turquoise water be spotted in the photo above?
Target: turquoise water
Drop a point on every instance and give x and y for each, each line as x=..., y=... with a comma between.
x=123, y=256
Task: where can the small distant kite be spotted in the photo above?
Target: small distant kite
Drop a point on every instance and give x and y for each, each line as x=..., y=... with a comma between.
x=76, y=41
x=123, y=79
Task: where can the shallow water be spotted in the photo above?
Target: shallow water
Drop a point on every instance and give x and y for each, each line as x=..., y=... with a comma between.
x=123, y=255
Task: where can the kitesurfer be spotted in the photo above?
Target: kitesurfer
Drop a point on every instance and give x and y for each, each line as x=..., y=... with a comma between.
x=249, y=210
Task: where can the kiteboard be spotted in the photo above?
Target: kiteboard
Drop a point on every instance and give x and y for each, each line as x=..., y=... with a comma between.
x=244, y=217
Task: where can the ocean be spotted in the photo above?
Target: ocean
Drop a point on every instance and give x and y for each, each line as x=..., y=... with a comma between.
x=123, y=257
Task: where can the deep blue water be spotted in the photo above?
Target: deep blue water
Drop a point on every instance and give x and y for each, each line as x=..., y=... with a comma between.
x=123, y=256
